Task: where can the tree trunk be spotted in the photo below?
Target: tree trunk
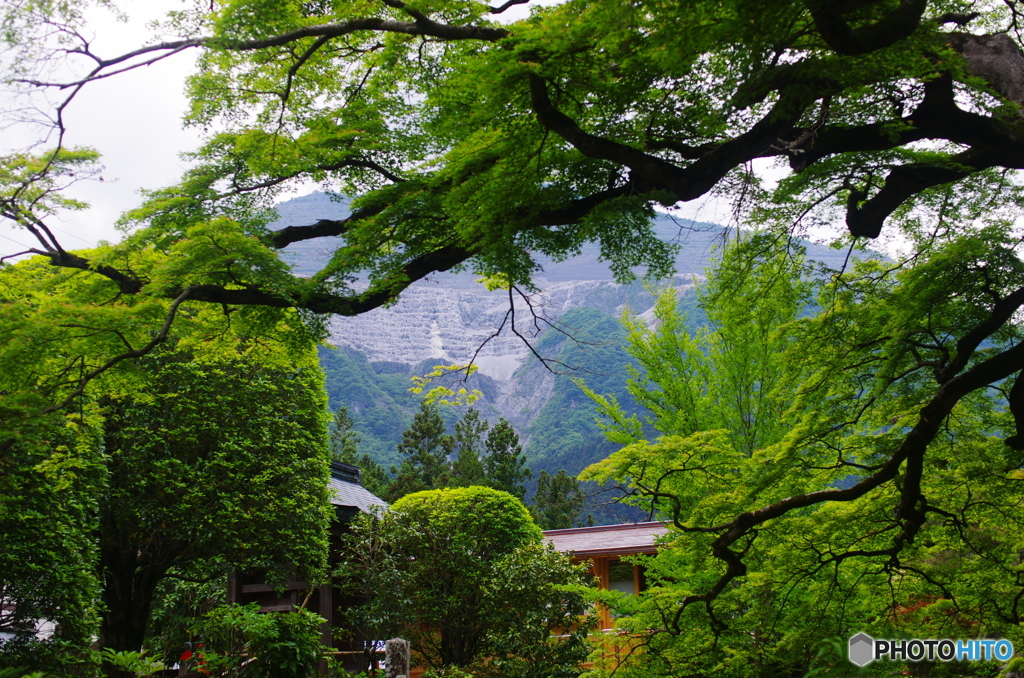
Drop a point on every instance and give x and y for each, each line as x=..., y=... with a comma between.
x=129, y=583
x=459, y=644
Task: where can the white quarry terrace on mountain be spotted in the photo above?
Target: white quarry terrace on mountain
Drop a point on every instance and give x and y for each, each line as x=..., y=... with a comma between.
x=449, y=316
x=447, y=319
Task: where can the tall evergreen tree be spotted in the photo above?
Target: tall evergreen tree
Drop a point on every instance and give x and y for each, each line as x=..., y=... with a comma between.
x=426, y=446
x=343, y=439
x=468, y=469
x=344, y=445
x=505, y=463
x=558, y=501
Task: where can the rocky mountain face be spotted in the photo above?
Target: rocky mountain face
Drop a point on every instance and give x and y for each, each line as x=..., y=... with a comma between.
x=452, y=319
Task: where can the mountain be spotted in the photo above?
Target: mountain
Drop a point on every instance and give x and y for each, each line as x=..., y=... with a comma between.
x=450, y=318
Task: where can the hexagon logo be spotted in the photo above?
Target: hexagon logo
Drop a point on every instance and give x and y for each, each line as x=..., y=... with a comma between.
x=862, y=649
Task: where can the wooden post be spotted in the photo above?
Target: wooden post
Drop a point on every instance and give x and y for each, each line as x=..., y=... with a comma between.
x=396, y=658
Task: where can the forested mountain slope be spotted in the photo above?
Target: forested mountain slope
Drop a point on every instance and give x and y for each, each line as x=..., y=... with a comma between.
x=450, y=317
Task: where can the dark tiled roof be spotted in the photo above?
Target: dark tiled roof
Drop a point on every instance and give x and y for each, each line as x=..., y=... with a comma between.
x=607, y=540
x=346, y=490
x=349, y=494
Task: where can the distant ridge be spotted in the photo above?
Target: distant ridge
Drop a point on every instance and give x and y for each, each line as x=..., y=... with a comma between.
x=449, y=317
x=697, y=240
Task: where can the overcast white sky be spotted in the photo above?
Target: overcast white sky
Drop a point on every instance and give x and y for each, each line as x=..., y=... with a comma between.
x=134, y=120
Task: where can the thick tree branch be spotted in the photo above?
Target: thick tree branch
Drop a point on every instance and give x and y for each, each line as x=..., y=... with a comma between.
x=1000, y=314
x=650, y=173
x=441, y=259
x=911, y=452
x=321, y=229
x=956, y=18
x=835, y=140
x=647, y=169
x=684, y=150
x=127, y=284
x=865, y=217
x=706, y=172
x=840, y=36
x=509, y=3
x=1015, y=402
x=996, y=58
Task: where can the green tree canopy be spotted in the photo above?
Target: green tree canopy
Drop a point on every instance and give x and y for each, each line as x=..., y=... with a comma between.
x=468, y=469
x=469, y=139
x=558, y=501
x=194, y=450
x=471, y=581
x=505, y=463
x=221, y=463
x=426, y=447
x=50, y=476
x=344, y=441
x=856, y=469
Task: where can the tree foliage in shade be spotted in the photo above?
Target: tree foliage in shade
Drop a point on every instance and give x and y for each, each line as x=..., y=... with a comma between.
x=178, y=606
x=221, y=463
x=344, y=445
x=370, y=570
x=467, y=468
x=854, y=470
x=197, y=454
x=471, y=140
x=242, y=641
x=465, y=573
x=558, y=501
x=505, y=463
x=49, y=481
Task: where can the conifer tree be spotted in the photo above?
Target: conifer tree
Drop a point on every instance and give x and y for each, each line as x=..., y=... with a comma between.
x=344, y=444
x=505, y=463
x=468, y=469
x=343, y=439
x=426, y=446
x=558, y=501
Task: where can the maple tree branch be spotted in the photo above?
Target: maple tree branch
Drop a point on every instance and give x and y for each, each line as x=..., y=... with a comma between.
x=841, y=37
x=909, y=456
x=157, y=339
